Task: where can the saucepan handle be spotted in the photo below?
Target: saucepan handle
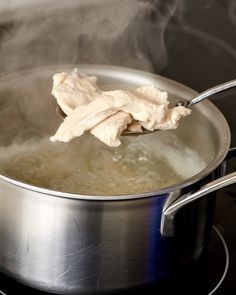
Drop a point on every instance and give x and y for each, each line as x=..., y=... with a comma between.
x=168, y=215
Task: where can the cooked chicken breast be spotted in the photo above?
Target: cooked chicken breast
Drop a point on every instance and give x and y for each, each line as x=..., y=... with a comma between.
x=87, y=116
x=109, y=130
x=153, y=94
x=106, y=114
x=73, y=89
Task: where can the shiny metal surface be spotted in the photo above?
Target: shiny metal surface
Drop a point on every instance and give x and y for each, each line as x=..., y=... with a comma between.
x=212, y=91
x=168, y=215
x=74, y=246
x=77, y=244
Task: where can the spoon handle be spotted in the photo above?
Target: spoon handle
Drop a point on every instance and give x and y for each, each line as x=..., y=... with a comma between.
x=212, y=91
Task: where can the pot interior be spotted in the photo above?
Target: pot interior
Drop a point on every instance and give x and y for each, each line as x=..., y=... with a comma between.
x=86, y=166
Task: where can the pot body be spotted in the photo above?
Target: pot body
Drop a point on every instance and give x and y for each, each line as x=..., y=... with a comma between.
x=71, y=246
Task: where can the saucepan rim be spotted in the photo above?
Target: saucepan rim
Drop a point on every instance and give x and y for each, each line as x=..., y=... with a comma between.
x=223, y=149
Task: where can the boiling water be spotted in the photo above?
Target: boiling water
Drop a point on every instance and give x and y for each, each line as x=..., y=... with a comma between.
x=87, y=166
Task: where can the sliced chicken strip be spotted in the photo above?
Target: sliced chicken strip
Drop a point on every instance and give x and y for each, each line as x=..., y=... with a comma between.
x=85, y=117
x=164, y=118
x=145, y=111
x=109, y=130
x=150, y=115
x=73, y=89
x=153, y=94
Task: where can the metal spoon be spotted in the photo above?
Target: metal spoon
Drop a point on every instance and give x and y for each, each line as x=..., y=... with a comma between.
x=184, y=102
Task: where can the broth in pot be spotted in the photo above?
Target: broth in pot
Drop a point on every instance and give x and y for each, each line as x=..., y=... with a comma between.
x=86, y=166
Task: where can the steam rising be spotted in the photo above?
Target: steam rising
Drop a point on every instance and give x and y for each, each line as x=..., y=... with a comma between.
x=126, y=33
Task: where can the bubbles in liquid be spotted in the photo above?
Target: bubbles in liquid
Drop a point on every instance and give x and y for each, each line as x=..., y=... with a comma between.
x=87, y=166
x=116, y=156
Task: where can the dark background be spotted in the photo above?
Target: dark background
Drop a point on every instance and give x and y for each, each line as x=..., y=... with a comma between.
x=202, y=55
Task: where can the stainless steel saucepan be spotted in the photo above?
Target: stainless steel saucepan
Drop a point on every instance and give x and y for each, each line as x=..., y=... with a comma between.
x=74, y=244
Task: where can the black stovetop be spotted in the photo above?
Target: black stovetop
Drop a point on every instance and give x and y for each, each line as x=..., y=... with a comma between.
x=201, y=53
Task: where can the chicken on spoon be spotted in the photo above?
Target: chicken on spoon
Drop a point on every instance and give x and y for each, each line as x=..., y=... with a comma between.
x=108, y=114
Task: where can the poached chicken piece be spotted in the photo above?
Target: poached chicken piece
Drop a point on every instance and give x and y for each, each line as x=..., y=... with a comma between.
x=74, y=89
x=106, y=114
x=109, y=130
